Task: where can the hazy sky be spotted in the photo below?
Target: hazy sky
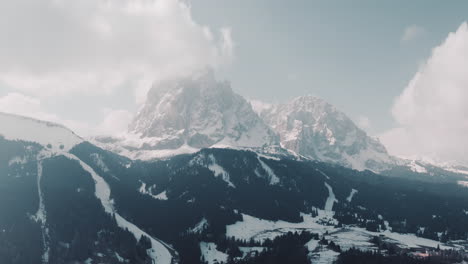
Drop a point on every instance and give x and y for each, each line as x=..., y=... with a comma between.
x=358, y=55
x=89, y=63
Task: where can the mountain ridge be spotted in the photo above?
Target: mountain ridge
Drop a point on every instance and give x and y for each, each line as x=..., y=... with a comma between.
x=316, y=129
x=185, y=114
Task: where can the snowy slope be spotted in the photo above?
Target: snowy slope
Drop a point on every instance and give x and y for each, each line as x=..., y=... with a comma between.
x=58, y=140
x=315, y=129
x=53, y=136
x=160, y=252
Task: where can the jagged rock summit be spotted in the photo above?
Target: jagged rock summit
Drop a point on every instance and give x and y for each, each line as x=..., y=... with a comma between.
x=315, y=129
x=185, y=114
x=189, y=113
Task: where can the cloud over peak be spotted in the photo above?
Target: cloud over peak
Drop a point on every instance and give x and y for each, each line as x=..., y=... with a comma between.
x=62, y=50
x=54, y=47
x=432, y=111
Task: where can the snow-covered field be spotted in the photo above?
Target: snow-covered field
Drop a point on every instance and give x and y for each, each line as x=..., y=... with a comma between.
x=260, y=229
x=348, y=238
x=345, y=237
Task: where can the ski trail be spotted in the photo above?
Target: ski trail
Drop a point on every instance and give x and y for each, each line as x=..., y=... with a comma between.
x=351, y=195
x=160, y=252
x=219, y=171
x=331, y=199
x=41, y=215
x=323, y=173
x=273, y=178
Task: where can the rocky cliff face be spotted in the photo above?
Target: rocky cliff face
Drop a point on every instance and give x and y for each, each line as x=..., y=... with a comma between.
x=200, y=112
x=183, y=115
x=315, y=129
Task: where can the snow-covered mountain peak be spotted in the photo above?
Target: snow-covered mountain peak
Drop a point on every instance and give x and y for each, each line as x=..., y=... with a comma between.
x=185, y=114
x=53, y=136
x=314, y=128
x=194, y=112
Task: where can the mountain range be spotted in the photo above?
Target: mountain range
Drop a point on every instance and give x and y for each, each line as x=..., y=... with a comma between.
x=183, y=115
x=202, y=177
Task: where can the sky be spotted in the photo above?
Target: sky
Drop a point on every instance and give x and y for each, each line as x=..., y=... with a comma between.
x=396, y=67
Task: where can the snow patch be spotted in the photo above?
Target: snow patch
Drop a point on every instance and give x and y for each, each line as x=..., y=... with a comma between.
x=17, y=161
x=99, y=162
x=330, y=200
x=360, y=161
x=211, y=254
x=460, y=171
x=463, y=183
x=41, y=215
x=324, y=256
x=119, y=258
x=323, y=173
x=149, y=191
x=161, y=196
x=351, y=195
x=219, y=171
x=199, y=227
x=271, y=174
x=312, y=245
x=414, y=166
x=246, y=251
x=134, y=147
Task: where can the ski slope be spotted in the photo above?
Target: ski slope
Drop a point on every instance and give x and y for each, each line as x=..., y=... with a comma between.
x=160, y=252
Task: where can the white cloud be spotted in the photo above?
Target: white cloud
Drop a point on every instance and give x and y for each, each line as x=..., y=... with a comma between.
x=20, y=104
x=64, y=47
x=432, y=111
x=98, y=52
x=364, y=123
x=412, y=32
x=259, y=106
x=113, y=121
